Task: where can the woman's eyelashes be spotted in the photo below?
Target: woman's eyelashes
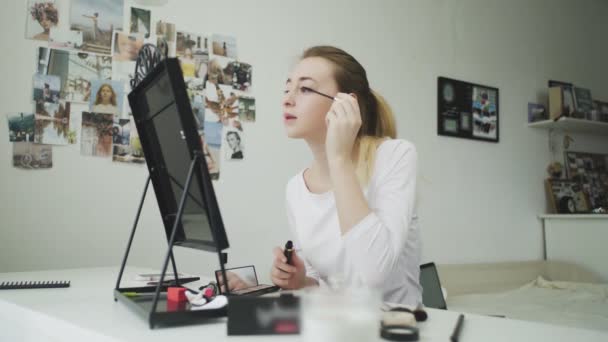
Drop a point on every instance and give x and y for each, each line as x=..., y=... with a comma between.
x=302, y=90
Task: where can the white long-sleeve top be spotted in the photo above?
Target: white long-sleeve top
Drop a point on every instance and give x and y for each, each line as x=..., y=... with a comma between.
x=382, y=251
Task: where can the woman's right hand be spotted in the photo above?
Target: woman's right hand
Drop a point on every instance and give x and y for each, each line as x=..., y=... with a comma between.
x=286, y=276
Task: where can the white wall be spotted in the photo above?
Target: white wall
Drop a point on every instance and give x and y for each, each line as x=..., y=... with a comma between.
x=478, y=201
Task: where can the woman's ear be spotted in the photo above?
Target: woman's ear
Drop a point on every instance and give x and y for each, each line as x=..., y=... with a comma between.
x=353, y=95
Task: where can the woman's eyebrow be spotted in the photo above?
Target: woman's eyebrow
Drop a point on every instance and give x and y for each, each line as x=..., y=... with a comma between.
x=305, y=78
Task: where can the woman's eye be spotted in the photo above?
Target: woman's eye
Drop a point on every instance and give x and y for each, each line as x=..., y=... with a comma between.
x=304, y=89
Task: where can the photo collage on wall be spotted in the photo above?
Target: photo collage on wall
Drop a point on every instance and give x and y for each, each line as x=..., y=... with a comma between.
x=467, y=110
x=82, y=79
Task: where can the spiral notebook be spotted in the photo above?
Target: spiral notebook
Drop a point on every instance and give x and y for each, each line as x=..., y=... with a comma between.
x=11, y=285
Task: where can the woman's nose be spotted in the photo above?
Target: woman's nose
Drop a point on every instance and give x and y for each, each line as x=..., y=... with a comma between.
x=289, y=98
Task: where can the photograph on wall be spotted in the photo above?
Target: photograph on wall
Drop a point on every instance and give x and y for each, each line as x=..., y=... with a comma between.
x=83, y=68
x=43, y=60
x=21, y=127
x=166, y=35
x=74, y=130
x=591, y=171
x=485, y=115
x=30, y=156
x=125, y=47
x=221, y=103
x=196, y=93
x=121, y=136
x=55, y=62
x=193, y=53
x=467, y=110
x=97, y=19
x=566, y=196
x=42, y=17
x=96, y=134
x=140, y=22
x=65, y=39
x=246, y=108
x=224, y=46
x=234, y=144
x=46, y=88
x=52, y=123
x=212, y=145
x=220, y=71
x=137, y=152
x=465, y=121
x=241, y=79
x=107, y=97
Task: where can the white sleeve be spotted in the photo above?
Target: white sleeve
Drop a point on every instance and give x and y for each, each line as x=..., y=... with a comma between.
x=310, y=271
x=374, y=245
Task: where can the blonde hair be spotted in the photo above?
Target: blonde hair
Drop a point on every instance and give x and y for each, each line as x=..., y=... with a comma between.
x=377, y=119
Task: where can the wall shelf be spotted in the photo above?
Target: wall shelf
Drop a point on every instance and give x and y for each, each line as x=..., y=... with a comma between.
x=573, y=125
x=573, y=216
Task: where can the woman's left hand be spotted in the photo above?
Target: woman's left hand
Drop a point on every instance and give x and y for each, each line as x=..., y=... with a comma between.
x=343, y=124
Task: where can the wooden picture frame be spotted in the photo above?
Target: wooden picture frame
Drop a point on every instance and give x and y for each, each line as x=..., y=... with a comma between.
x=566, y=197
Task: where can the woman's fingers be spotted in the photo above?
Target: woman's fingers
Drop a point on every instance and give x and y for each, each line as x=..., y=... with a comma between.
x=277, y=273
x=280, y=261
x=278, y=254
x=280, y=282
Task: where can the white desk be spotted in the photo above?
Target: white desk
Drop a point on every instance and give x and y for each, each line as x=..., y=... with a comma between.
x=87, y=312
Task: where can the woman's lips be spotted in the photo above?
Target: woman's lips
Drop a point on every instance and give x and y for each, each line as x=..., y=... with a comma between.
x=289, y=117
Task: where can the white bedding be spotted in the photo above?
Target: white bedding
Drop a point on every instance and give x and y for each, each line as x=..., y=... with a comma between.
x=582, y=305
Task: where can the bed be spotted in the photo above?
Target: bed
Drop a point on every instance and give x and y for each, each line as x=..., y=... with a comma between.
x=552, y=292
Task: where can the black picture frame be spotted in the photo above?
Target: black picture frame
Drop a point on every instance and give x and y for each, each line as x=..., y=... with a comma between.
x=467, y=110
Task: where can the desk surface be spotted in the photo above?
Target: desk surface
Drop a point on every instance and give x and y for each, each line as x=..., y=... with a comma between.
x=87, y=311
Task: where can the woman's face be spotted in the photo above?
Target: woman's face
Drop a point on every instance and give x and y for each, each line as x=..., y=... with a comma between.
x=233, y=142
x=304, y=111
x=45, y=22
x=188, y=53
x=128, y=47
x=106, y=94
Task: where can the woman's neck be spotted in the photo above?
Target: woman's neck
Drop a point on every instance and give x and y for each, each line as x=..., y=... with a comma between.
x=319, y=170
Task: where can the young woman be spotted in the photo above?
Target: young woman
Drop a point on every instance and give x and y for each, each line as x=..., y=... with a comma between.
x=352, y=210
x=105, y=102
x=126, y=47
x=47, y=16
x=234, y=142
x=187, y=63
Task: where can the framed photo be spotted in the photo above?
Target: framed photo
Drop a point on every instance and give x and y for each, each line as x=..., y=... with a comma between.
x=467, y=110
x=536, y=112
x=602, y=110
x=566, y=196
x=591, y=171
x=583, y=103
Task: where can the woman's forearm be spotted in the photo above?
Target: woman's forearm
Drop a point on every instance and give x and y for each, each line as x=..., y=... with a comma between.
x=350, y=202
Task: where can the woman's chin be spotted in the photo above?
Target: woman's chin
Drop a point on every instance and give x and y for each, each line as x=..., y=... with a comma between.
x=293, y=133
